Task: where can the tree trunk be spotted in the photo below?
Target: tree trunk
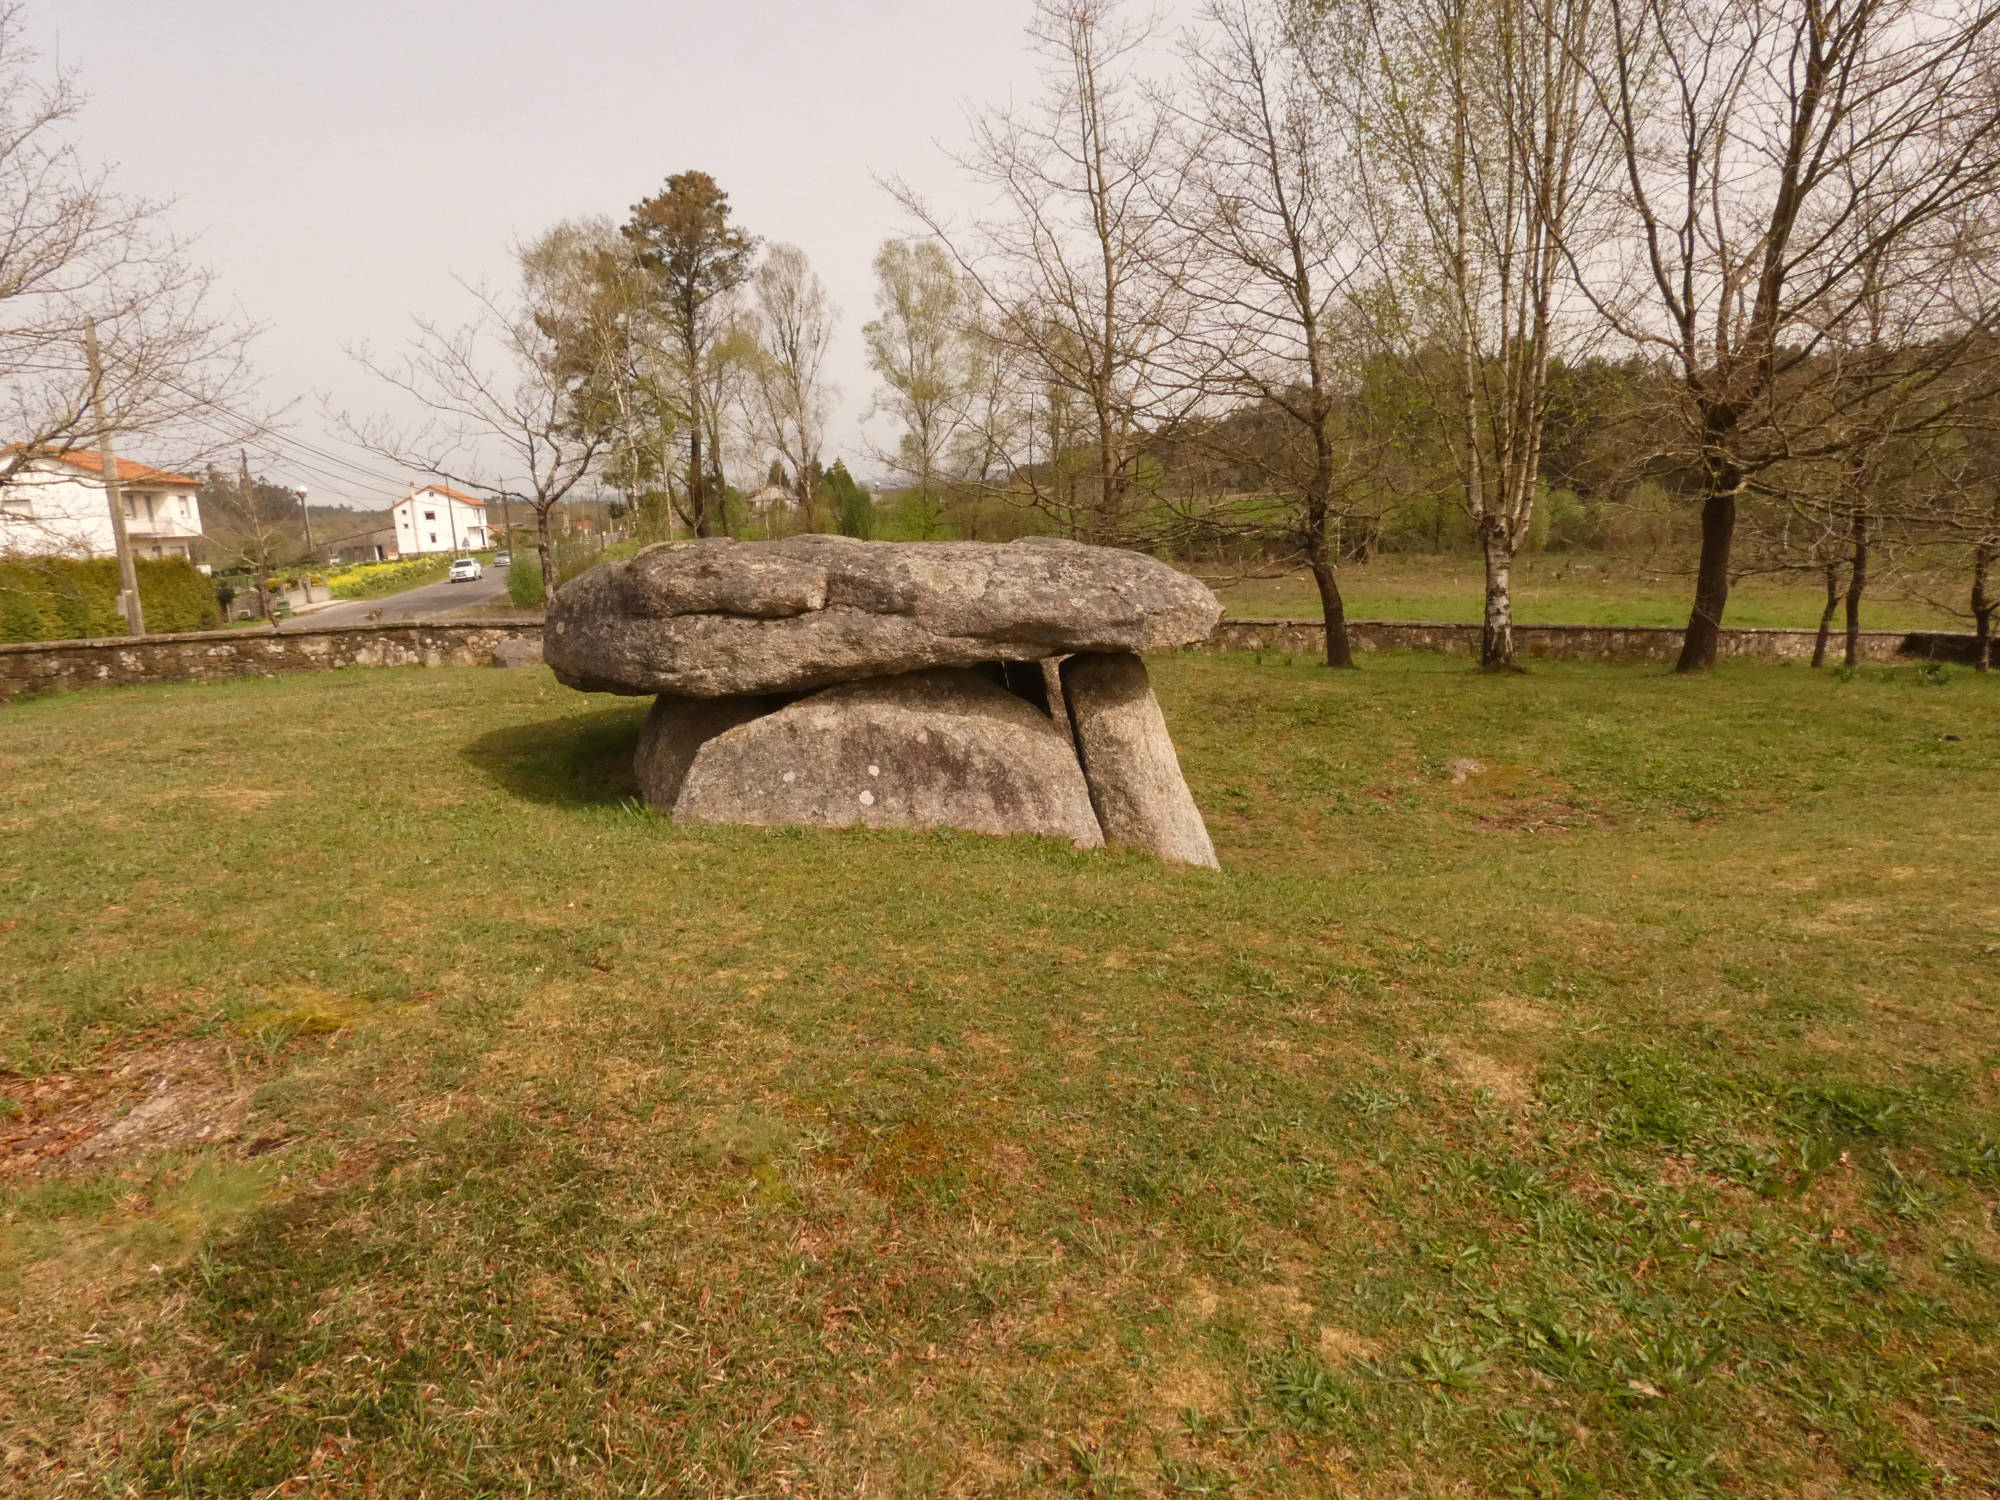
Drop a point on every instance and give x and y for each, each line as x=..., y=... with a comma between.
x=1496, y=639
x=545, y=550
x=697, y=491
x=1826, y=615
x=1322, y=549
x=1711, y=583
x=1857, y=580
x=1983, y=604
x=1332, y=608
x=1333, y=611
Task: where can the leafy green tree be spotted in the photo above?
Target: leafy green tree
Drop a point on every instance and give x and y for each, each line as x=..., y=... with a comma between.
x=594, y=303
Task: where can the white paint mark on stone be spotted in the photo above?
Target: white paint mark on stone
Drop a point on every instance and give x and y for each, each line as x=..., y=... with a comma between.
x=790, y=777
x=874, y=770
x=867, y=799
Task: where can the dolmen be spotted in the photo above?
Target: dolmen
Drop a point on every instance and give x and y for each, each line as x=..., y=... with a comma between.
x=830, y=682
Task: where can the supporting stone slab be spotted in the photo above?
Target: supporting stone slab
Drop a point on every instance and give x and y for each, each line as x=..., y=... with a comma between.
x=936, y=749
x=1135, y=781
x=676, y=730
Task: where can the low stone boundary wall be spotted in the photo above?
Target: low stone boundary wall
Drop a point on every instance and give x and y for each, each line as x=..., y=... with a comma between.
x=56, y=666
x=1609, y=643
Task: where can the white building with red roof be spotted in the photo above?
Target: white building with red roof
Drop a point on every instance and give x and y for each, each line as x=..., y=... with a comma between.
x=436, y=519
x=56, y=504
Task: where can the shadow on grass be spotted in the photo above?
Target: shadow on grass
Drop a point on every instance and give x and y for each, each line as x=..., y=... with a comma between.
x=579, y=760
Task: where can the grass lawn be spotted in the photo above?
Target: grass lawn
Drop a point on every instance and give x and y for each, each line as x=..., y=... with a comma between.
x=1560, y=589
x=387, y=1108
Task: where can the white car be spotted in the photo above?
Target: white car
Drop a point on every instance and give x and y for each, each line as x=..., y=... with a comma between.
x=465, y=570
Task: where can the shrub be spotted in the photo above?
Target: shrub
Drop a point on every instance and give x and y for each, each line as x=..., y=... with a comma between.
x=373, y=580
x=572, y=555
x=68, y=598
x=576, y=555
x=524, y=580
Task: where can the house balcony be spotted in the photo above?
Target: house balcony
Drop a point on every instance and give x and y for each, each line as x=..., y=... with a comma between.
x=160, y=524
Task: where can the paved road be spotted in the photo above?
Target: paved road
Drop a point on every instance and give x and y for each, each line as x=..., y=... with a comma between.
x=414, y=604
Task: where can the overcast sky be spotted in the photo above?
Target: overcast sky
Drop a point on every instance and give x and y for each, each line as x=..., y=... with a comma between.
x=343, y=163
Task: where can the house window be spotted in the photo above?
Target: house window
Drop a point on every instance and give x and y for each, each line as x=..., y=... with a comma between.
x=430, y=515
x=434, y=537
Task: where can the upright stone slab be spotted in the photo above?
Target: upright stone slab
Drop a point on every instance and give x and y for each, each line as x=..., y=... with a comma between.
x=1136, y=787
x=936, y=749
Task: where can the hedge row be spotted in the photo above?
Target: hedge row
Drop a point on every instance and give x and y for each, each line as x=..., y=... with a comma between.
x=373, y=580
x=68, y=599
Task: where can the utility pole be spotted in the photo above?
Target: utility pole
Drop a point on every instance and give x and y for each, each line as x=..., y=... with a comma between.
x=259, y=537
x=305, y=510
x=128, y=573
x=312, y=552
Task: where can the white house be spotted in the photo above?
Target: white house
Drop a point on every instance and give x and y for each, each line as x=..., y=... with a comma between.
x=57, y=504
x=435, y=519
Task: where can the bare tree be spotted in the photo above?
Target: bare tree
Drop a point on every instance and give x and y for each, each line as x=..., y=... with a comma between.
x=794, y=327
x=76, y=255
x=1074, y=265
x=257, y=526
x=1985, y=546
x=1960, y=513
x=1471, y=119
x=511, y=414
x=920, y=346
x=1779, y=158
x=106, y=325
x=1279, y=263
x=1973, y=520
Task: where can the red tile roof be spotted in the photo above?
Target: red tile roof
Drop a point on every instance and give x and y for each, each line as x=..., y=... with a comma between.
x=438, y=489
x=92, y=462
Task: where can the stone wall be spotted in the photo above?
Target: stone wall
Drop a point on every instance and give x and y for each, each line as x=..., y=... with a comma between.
x=1610, y=643
x=56, y=666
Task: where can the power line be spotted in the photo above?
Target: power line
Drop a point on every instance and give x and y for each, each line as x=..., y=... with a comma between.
x=276, y=455
x=284, y=453
x=265, y=430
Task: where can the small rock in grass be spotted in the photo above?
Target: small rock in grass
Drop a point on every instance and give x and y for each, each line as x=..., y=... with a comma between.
x=518, y=651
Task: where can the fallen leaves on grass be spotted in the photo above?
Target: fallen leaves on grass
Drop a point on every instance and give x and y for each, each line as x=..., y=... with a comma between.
x=184, y=1095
